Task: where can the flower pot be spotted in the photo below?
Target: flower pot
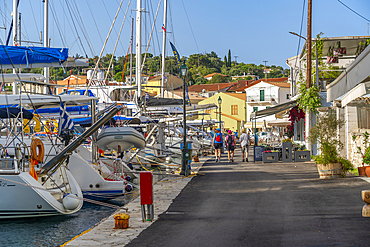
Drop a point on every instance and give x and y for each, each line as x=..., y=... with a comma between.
x=270, y=157
x=367, y=171
x=302, y=156
x=331, y=170
x=361, y=171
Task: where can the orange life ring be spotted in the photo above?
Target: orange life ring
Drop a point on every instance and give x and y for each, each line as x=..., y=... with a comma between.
x=37, y=145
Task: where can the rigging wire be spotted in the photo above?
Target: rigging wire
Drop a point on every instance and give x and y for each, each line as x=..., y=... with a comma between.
x=88, y=40
x=187, y=17
x=88, y=5
x=75, y=34
x=114, y=28
x=74, y=25
x=354, y=11
x=150, y=37
x=57, y=24
x=299, y=38
x=106, y=40
x=119, y=35
x=33, y=14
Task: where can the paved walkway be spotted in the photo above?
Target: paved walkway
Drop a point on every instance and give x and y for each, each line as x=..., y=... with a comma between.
x=104, y=234
x=246, y=204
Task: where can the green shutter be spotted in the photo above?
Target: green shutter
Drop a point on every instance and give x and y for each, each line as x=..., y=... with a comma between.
x=262, y=95
x=255, y=109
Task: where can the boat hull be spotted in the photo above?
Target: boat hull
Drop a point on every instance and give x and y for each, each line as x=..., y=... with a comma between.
x=123, y=137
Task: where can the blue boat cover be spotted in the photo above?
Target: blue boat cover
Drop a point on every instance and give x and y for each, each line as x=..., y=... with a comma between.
x=30, y=55
x=12, y=112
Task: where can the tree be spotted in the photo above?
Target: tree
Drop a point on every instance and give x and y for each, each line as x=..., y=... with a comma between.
x=225, y=61
x=229, y=59
x=217, y=79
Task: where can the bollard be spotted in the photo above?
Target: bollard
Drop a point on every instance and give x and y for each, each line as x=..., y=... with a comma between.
x=366, y=197
x=146, y=195
x=121, y=221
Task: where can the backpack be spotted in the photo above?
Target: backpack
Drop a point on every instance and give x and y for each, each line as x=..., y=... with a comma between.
x=230, y=141
x=218, y=137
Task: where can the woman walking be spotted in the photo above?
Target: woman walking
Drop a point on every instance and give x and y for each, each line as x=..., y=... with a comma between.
x=217, y=143
x=230, y=145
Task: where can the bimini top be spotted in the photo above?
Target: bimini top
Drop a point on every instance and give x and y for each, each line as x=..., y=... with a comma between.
x=31, y=55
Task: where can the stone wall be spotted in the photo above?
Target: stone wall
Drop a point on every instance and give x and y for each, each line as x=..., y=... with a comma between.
x=356, y=157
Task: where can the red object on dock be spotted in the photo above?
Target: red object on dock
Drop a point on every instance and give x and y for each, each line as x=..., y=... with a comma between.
x=146, y=188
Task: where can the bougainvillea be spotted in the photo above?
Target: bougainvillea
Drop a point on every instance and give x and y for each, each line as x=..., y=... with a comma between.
x=295, y=114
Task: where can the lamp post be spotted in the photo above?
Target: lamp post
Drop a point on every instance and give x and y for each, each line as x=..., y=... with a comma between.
x=219, y=110
x=184, y=168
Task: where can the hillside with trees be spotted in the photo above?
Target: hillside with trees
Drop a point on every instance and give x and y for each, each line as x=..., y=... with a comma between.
x=199, y=65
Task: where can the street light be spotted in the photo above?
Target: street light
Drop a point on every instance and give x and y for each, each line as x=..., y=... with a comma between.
x=184, y=168
x=219, y=110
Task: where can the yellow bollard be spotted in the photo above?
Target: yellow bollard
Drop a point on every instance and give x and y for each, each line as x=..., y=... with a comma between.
x=121, y=221
x=366, y=197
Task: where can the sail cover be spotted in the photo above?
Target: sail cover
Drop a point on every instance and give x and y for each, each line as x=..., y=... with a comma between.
x=28, y=56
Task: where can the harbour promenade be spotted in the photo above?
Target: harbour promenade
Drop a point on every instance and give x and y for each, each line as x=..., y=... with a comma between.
x=245, y=204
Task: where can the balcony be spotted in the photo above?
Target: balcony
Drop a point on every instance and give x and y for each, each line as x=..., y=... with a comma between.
x=266, y=100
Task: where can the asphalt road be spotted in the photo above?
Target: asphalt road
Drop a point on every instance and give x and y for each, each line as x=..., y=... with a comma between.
x=255, y=204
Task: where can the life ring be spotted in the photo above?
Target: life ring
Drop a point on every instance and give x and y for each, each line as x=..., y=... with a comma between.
x=37, y=145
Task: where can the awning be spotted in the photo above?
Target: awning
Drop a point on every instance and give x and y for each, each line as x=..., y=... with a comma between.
x=250, y=125
x=353, y=75
x=358, y=91
x=279, y=122
x=273, y=110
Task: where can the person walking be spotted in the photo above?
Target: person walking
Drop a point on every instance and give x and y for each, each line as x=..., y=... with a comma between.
x=230, y=145
x=244, y=142
x=217, y=143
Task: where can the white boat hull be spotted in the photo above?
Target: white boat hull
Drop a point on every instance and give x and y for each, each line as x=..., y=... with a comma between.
x=22, y=196
x=120, y=137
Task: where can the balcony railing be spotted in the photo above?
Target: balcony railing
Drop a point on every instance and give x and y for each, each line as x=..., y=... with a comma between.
x=257, y=98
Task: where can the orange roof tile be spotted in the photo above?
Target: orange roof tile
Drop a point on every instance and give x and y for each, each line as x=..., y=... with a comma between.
x=211, y=75
x=237, y=95
x=280, y=82
x=209, y=87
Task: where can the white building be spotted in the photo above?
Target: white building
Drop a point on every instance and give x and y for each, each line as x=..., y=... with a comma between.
x=263, y=94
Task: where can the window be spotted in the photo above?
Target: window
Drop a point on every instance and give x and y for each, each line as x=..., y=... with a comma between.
x=208, y=111
x=262, y=95
x=255, y=109
x=288, y=96
x=234, y=110
x=268, y=107
x=363, y=117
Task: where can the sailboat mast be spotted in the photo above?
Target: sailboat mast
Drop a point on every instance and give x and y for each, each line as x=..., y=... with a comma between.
x=15, y=27
x=46, y=35
x=164, y=46
x=132, y=45
x=138, y=48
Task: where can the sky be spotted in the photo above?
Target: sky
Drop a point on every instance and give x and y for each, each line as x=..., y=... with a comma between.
x=254, y=30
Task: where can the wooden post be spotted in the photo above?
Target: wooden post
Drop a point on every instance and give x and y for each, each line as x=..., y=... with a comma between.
x=309, y=41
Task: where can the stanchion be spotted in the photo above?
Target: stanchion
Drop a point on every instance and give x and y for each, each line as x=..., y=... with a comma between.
x=146, y=195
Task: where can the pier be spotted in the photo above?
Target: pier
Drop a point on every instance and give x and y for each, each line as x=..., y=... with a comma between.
x=244, y=204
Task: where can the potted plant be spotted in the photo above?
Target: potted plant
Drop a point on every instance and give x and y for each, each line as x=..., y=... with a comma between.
x=270, y=156
x=324, y=132
x=302, y=154
x=364, y=151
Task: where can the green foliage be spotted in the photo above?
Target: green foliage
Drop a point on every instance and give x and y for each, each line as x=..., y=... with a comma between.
x=325, y=133
x=309, y=98
x=217, y=79
x=229, y=59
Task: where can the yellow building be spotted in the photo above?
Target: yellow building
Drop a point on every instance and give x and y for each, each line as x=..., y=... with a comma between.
x=233, y=109
x=154, y=84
